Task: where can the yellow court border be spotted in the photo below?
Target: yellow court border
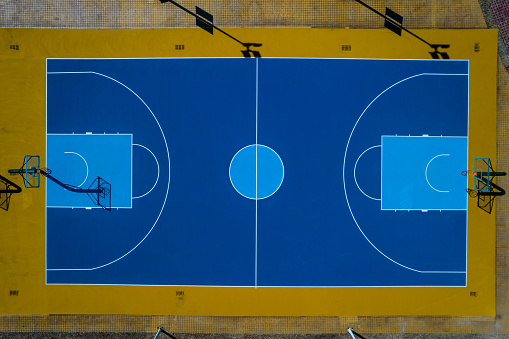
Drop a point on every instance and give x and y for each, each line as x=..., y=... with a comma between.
x=22, y=131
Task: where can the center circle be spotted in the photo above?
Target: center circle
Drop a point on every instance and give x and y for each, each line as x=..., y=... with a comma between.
x=256, y=172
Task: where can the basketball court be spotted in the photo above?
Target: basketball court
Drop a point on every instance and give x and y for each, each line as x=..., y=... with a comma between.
x=310, y=181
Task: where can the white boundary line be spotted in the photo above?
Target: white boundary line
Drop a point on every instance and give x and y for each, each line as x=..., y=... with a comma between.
x=167, y=189
x=91, y=134
x=263, y=286
x=243, y=58
x=89, y=207
x=381, y=171
x=132, y=170
x=369, y=286
x=86, y=164
x=420, y=209
x=355, y=176
x=468, y=150
x=426, y=171
x=157, y=179
x=344, y=181
x=423, y=209
x=423, y=136
x=46, y=187
x=256, y=179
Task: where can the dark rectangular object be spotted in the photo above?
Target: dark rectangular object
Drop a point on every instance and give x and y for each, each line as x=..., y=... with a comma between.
x=390, y=24
x=207, y=16
x=206, y=22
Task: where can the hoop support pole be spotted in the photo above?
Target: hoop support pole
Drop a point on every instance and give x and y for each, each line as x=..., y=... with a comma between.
x=69, y=187
x=17, y=190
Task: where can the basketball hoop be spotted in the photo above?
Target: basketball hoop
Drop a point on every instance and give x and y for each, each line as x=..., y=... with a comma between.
x=468, y=173
x=485, y=188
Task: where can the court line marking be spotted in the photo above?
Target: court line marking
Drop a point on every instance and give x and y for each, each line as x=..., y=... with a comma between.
x=355, y=176
x=343, y=174
x=244, y=58
x=46, y=186
x=421, y=136
x=132, y=174
x=423, y=209
x=344, y=165
x=86, y=164
x=256, y=179
x=89, y=207
x=466, y=179
x=167, y=189
x=259, y=286
x=426, y=172
x=157, y=179
x=381, y=172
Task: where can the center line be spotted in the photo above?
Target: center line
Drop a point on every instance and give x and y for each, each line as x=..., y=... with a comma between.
x=256, y=181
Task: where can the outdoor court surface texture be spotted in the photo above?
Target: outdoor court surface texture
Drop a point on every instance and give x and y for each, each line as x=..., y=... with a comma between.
x=356, y=179
x=313, y=181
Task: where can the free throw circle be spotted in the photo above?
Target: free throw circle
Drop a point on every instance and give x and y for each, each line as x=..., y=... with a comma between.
x=256, y=172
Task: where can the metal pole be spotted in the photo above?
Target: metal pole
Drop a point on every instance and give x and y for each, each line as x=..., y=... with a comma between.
x=158, y=331
x=69, y=187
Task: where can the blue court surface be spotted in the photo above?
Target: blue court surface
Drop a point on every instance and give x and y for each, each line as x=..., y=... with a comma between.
x=259, y=172
x=79, y=159
x=421, y=173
